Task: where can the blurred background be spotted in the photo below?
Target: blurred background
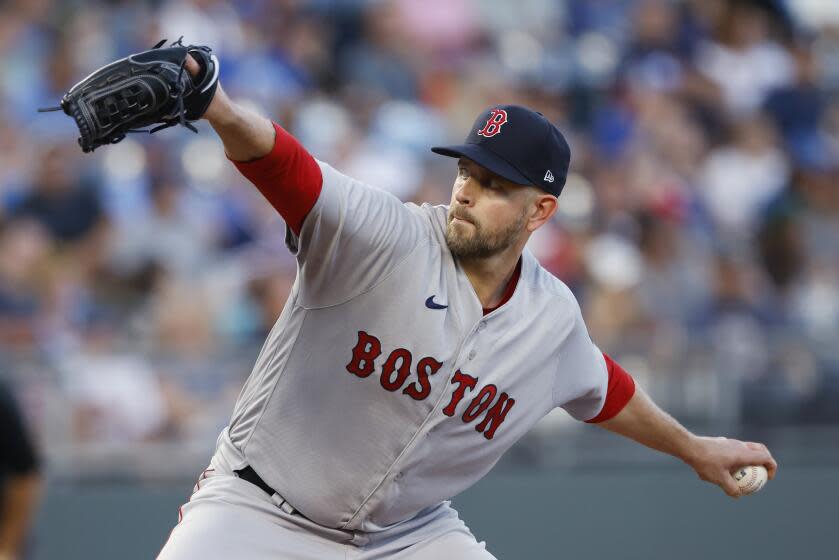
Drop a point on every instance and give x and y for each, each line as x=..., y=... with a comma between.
x=699, y=230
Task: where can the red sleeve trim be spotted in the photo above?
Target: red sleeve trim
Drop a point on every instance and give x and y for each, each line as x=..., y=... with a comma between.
x=620, y=389
x=288, y=177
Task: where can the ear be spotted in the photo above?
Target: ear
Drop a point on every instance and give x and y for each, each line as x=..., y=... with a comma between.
x=542, y=207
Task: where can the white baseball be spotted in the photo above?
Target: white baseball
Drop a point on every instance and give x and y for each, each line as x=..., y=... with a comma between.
x=751, y=479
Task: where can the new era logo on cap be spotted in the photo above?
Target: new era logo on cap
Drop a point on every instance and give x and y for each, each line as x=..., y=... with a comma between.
x=518, y=144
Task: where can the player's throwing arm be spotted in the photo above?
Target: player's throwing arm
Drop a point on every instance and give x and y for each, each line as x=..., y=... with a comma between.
x=738, y=467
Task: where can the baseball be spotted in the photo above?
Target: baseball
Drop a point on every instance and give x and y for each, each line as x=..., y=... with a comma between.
x=751, y=479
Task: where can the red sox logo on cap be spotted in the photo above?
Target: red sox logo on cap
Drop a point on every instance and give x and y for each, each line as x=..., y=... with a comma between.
x=497, y=117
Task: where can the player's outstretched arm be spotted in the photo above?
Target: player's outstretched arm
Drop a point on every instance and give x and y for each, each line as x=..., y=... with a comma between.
x=713, y=459
x=246, y=135
x=268, y=156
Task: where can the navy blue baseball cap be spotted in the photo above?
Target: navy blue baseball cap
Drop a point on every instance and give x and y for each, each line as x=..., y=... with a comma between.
x=518, y=144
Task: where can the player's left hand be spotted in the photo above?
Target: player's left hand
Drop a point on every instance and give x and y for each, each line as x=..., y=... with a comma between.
x=715, y=458
x=220, y=105
x=145, y=89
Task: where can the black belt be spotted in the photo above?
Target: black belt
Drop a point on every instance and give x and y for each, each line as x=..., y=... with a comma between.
x=250, y=475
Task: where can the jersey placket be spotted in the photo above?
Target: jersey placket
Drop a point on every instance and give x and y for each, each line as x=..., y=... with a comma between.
x=421, y=430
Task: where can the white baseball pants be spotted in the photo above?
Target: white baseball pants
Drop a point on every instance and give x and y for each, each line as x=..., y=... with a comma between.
x=227, y=517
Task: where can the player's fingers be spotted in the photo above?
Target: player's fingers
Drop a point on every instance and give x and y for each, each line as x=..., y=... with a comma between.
x=756, y=457
x=192, y=66
x=772, y=469
x=729, y=485
x=764, y=458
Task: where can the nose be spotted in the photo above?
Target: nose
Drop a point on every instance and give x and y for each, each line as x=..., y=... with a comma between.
x=465, y=192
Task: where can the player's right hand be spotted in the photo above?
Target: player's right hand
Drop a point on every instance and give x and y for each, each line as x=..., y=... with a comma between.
x=715, y=458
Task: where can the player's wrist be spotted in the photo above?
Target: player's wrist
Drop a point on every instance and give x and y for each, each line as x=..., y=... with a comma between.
x=690, y=449
x=221, y=111
x=702, y=451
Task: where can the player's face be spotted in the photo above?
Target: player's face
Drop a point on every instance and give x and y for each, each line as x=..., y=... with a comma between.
x=487, y=213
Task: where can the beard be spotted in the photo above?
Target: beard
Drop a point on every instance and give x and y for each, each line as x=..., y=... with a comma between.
x=475, y=242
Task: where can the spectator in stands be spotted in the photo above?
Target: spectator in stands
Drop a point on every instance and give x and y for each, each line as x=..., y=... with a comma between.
x=62, y=201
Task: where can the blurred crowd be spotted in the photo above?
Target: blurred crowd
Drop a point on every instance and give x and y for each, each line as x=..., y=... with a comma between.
x=699, y=227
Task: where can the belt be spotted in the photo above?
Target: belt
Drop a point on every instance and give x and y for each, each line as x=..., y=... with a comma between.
x=250, y=475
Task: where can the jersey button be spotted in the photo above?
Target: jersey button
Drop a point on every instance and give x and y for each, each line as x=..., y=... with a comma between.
x=398, y=476
x=472, y=354
x=482, y=325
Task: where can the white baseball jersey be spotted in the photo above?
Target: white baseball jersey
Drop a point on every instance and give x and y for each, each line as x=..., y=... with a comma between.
x=383, y=389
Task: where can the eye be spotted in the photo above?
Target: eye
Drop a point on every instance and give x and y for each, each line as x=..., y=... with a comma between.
x=495, y=186
x=462, y=171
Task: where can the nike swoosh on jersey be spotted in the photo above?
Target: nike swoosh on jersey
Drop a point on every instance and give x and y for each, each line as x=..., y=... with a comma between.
x=430, y=303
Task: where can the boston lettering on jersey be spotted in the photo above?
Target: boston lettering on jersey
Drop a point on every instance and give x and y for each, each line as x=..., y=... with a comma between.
x=397, y=367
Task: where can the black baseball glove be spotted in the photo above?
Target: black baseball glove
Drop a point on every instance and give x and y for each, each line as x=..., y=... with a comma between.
x=141, y=90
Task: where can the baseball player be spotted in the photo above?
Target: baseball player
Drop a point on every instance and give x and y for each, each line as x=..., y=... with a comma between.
x=417, y=345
